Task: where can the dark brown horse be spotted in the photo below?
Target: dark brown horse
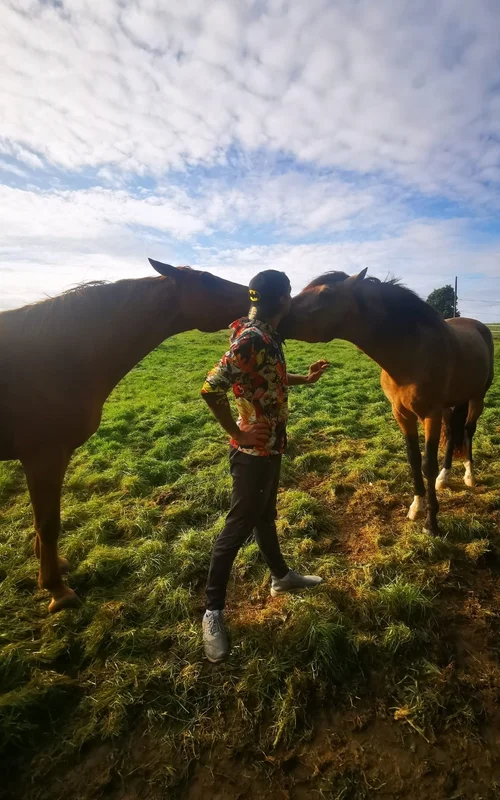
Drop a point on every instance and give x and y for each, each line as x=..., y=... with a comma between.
x=61, y=358
x=432, y=369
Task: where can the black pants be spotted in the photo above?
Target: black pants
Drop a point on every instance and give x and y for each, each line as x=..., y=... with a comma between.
x=253, y=508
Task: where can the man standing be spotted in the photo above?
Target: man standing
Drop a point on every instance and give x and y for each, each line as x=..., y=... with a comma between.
x=255, y=368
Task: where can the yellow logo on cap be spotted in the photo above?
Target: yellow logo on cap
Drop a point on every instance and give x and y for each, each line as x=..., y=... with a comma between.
x=254, y=296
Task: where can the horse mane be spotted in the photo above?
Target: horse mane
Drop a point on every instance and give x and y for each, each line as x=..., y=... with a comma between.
x=328, y=279
x=405, y=309
x=85, y=303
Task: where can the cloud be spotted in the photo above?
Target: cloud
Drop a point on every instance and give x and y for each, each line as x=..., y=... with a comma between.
x=407, y=90
x=292, y=204
x=76, y=235
x=424, y=255
x=72, y=214
x=52, y=239
x=12, y=169
x=308, y=136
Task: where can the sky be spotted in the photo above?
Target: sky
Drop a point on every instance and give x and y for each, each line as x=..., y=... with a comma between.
x=241, y=135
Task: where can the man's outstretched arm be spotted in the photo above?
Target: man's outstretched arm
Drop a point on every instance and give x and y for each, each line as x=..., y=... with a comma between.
x=316, y=370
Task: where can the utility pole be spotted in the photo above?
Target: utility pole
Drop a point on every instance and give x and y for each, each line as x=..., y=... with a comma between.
x=455, y=299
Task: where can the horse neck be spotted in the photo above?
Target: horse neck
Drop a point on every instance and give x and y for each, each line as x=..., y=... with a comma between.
x=138, y=316
x=394, y=354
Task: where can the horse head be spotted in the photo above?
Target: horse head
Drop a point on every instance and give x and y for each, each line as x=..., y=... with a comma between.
x=322, y=310
x=209, y=302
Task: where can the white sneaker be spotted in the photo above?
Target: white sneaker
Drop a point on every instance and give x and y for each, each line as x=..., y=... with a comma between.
x=292, y=582
x=215, y=640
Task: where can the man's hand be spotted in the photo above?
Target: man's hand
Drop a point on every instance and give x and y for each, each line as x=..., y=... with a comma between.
x=316, y=370
x=256, y=435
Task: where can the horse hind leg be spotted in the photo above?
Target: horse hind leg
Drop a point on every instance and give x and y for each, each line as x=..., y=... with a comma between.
x=475, y=409
x=44, y=474
x=443, y=479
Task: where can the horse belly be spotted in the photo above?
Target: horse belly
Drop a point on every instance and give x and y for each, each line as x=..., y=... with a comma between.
x=37, y=422
x=8, y=449
x=419, y=397
x=7, y=445
x=469, y=379
x=473, y=365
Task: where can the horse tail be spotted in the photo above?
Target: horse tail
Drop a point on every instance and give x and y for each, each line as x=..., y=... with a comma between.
x=454, y=428
x=487, y=335
x=491, y=350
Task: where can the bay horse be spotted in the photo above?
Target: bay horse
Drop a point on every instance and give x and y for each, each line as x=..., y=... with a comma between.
x=61, y=358
x=433, y=370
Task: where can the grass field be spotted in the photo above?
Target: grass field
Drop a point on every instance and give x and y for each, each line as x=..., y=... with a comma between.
x=384, y=682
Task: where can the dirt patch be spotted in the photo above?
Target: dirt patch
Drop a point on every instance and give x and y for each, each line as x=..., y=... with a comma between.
x=355, y=754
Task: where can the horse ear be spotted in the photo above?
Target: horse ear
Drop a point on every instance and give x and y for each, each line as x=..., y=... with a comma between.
x=356, y=278
x=164, y=269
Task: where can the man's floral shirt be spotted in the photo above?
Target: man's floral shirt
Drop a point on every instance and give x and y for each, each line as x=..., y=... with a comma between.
x=256, y=369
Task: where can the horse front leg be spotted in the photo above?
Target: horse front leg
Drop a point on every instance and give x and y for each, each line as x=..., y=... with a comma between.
x=432, y=428
x=63, y=562
x=45, y=473
x=407, y=421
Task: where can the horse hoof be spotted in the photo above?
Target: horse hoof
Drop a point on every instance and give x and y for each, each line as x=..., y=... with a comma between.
x=443, y=479
x=417, y=509
x=414, y=514
x=66, y=599
x=469, y=478
x=63, y=564
x=431, y=532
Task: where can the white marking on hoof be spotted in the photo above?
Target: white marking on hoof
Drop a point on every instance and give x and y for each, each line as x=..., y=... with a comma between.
x=443, y=479
x=469, y=478
x=417, y=508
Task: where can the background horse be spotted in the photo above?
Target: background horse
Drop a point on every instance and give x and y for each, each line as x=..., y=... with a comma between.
x=61, y=358
x=431, y=368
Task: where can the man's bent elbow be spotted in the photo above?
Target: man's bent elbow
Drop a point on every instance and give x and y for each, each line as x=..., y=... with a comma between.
x=213, y=398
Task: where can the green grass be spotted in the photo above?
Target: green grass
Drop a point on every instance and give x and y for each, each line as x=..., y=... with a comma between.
x=143, y=502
